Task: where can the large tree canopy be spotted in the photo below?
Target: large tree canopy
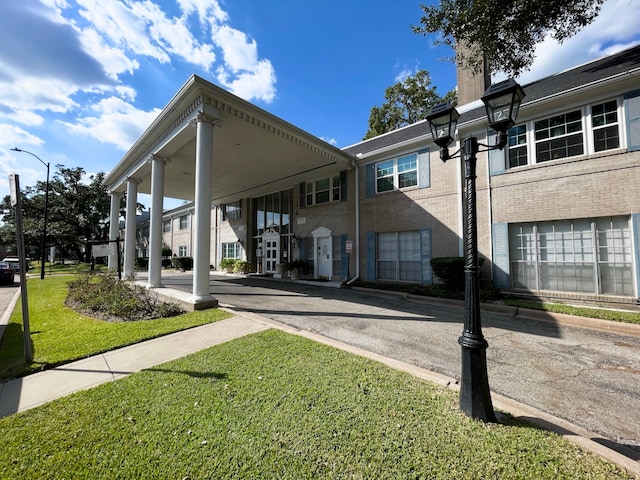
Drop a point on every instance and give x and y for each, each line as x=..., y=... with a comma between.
x=407, y=102
x=505, y=32
x=78, y=212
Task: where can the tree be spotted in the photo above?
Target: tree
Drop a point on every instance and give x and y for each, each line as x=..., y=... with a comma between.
x=504, y=32
x=78, y=212
x=407, y=102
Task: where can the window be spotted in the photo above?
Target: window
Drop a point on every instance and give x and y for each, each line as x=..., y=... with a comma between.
x=559, y=136
x=397, y=173
x=232, y=211
x=166, y=225
x=604, y=120
x=518, y=146
x=231, y=250
x=566, y=135
x=587, y=256
x=398, y=256
x=182, y=251
x=323, y=191
x=184, y=222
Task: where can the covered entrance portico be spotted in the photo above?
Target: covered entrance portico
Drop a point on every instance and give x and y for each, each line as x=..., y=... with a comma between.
x=213, y=148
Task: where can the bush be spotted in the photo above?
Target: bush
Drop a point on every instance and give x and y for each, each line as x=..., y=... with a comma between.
x=110, y=298
x=142, y=262
x=183, y=263
x=227, y=263
x=241, y=266
x=166, y=262
x=451, y=271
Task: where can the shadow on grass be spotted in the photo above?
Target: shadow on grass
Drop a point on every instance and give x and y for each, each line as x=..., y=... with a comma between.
x=214, y=375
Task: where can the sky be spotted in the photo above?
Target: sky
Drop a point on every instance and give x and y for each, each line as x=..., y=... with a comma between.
x=80, y=80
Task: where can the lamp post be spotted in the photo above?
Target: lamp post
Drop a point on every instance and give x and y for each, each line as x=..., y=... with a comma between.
x=46, y=212
x=502, y=102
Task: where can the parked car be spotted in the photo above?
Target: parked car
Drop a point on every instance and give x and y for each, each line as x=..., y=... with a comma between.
x=14, y=262
x=6, y=274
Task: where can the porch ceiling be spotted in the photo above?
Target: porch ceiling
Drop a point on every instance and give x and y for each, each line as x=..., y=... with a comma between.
x=254, y=152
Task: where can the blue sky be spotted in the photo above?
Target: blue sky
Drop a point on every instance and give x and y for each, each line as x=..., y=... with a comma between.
x=80, y=80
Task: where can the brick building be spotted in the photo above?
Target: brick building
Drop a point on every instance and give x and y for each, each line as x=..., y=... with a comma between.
x=558, y=208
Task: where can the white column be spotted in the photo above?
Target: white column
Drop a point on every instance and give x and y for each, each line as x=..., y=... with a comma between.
x=130, y=228
x=202, y=214
x=155, y=227
x=114, y=229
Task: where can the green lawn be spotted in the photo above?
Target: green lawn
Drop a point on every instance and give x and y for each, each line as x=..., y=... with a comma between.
x=277, y=406
x=61, y=335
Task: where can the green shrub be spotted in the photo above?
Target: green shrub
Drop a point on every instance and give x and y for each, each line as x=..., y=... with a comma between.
x=166, y=262
x=227, y=263
x=110, y=298
x=241, y=266
x=142, y=262
x=183, y=263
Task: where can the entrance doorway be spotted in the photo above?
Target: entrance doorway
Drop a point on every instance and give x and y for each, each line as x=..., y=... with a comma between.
x=271, y=251
x=322, y=243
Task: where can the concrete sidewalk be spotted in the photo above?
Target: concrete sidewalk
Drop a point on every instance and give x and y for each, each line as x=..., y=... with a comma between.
x=33, y=390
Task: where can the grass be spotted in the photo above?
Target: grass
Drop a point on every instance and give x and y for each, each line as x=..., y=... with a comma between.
x=490, y=294
x=277, y=406
x=604, y=314
x=60, y=335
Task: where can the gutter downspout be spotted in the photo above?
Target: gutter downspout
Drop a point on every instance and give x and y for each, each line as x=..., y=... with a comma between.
x=357, y=195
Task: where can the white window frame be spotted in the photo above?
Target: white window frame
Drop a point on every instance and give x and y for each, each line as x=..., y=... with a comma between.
x=184, y=222
x=231, y=250
x=395, y=174
x=183, y=251
x=588, y=139
x=333, y=191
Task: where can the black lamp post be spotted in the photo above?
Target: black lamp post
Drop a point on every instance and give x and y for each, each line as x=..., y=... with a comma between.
x=502, y=102
x=46, y=212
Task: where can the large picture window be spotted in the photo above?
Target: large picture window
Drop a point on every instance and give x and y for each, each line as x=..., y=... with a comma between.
x=398, y=256
x=587, y=256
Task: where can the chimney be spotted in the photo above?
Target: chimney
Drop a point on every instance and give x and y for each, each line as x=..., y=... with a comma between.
x=471, y=84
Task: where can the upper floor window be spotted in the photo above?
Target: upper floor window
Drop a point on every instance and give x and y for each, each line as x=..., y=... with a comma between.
x=587, y=130
x=604, y=121
x=232, y=211
x=559, y=136
x=397, y=173
x=184, y=222
x=323, y=191
x=166, y=225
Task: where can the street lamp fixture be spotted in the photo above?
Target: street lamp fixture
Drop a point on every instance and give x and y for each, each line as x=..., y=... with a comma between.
x=502, y=102
x=46, y=211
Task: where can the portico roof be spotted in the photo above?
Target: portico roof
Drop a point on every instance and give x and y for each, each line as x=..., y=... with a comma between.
x=254, y=152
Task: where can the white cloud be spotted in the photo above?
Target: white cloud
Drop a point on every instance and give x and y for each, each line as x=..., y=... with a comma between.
x=258, y=83
x=615, y=29
x=243, y=73
x=117, y=122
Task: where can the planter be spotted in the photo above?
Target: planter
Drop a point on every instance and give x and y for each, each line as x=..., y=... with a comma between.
x=295, y=273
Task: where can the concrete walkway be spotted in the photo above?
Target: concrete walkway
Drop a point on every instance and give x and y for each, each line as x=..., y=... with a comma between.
x=27, y=392
x=24, y=393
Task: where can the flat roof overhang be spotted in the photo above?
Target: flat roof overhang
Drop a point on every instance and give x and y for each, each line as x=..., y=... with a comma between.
x=254, y=152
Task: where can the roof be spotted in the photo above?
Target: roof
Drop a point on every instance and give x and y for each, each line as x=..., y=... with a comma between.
x=562, y=83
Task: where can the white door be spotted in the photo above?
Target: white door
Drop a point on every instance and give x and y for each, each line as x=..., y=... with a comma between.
x=324, y=260
x=270, y=252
